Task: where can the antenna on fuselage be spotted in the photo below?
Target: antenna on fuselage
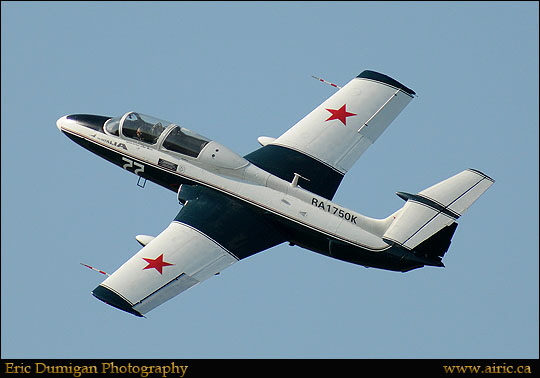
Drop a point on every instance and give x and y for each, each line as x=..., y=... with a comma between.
x=326, y=82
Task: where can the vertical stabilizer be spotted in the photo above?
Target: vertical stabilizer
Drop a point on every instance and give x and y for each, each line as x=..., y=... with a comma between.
x=438, y=207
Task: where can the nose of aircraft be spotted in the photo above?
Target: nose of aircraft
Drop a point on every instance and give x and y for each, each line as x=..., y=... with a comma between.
x=61, y=122
x=92, y=121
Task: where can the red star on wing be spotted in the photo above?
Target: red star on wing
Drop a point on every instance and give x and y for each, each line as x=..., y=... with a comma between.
x=156, y=263
x=340, y=114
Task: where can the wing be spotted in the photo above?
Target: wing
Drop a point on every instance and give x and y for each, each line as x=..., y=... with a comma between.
x=210, y=233
x=326, y=143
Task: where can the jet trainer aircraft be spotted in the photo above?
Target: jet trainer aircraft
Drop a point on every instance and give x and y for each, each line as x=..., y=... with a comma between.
x=234, y=206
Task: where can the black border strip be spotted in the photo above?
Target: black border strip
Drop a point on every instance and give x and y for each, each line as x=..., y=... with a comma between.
x=245, y=367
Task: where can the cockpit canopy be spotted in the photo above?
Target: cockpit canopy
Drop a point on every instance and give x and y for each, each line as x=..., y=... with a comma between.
x=148, y=130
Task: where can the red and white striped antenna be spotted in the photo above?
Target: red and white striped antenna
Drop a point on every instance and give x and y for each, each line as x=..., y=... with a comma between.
x=97, y=270
x=326, y=82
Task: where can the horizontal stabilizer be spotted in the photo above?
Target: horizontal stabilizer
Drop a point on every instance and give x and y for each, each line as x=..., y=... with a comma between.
x=435, y=208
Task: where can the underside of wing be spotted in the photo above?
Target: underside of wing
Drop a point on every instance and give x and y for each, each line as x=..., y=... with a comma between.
x=326, y=143
x=210, y=233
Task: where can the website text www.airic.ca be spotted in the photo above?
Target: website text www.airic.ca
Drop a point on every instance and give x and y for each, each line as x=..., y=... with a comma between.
x=487, y=369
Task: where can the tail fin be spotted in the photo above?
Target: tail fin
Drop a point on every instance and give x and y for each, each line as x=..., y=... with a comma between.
x=426, y=223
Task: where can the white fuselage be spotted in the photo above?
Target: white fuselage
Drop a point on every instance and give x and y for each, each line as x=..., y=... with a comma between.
x=221, y=169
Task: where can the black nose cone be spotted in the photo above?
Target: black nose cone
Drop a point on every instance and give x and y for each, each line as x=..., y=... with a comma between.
x=89, y=120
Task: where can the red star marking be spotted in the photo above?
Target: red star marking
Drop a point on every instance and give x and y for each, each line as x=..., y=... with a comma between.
x=340, y=114
x=156, y=263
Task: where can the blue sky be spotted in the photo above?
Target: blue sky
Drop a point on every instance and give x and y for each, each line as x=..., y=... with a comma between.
x=233, y=71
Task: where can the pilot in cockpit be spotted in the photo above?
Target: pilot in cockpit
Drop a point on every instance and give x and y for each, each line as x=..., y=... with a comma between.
x=147, y=133
x=143, y=128
x=139, y=133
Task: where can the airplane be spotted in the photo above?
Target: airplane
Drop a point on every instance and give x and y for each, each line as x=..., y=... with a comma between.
x=236, y=206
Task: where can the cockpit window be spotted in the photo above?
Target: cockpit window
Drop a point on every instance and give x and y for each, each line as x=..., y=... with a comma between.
x=148, y=129
x=185, y=142
x=112, y=126
x=142, y=127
